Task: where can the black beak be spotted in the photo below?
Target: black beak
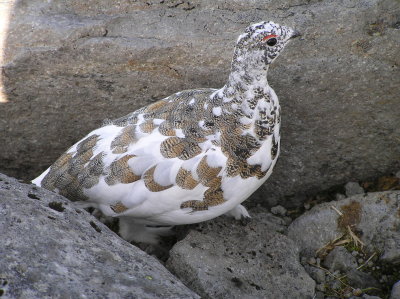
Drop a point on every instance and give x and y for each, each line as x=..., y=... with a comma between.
x=295, y=34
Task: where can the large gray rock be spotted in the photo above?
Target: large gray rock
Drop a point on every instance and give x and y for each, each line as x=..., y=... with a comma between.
x=374, y=217
x=70, y=64
x=50, y=249
x=224, y=259
x=353, y=188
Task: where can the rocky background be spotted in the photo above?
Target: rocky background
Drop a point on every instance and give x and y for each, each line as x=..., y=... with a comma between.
x=345, y=248
x=66, y=66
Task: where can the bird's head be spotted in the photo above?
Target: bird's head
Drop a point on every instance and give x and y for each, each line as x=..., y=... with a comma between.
x=262, y=42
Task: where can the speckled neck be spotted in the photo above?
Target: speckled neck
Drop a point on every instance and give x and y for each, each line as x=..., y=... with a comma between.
x=248, y=77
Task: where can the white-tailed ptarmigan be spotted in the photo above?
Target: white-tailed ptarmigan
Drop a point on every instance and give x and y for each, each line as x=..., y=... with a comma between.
x=188, y=158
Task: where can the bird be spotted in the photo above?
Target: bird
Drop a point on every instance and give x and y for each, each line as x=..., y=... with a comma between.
x=187, y=158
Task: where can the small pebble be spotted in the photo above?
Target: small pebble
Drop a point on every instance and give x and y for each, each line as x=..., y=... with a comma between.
x=278, y=210
x=317, y=274
x=312, y=261
x=307, y=206
x=360, y=261
x=353, y=188
x=354, y=253
x=357, y=292
x=320, y=287
x=339, y=196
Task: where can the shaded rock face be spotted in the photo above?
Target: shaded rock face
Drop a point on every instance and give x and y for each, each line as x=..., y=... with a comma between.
x=69, y=65
x=224, y=259
x=49, y=249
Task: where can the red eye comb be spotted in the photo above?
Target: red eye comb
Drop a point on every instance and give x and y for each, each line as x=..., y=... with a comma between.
x=269, y=36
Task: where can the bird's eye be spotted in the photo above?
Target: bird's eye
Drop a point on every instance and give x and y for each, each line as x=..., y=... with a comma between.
x=272, y=41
